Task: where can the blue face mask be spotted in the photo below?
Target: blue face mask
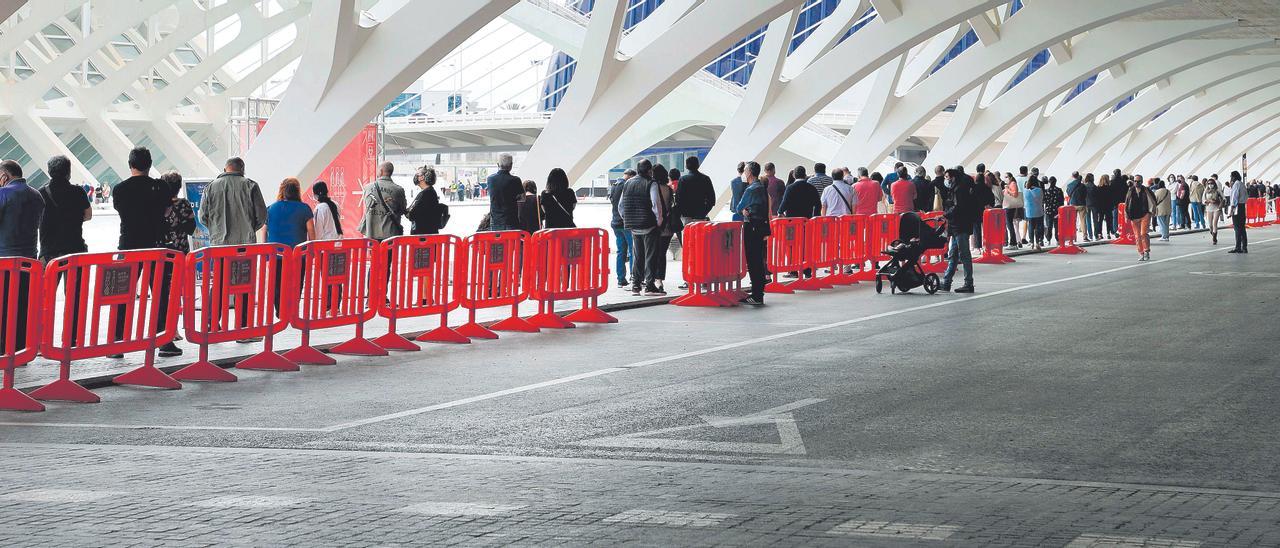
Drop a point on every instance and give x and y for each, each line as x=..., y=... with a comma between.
x=950, y=183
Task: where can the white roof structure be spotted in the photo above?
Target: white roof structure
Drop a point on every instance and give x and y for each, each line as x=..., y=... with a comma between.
x=1144, y=85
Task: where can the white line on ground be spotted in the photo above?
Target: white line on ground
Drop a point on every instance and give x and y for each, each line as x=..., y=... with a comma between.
x=250, y=501
x=439, y=508
x=1116, y=541
x=887, y=529
x=58, y=495
x=668, y=518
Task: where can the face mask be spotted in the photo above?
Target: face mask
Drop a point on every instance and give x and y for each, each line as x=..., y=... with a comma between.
x=950, y=183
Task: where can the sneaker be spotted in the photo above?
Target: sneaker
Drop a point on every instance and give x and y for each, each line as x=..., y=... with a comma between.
x=622, y=283
x=752, y=301
x=1147, y=255
x=635, y=291
x=653, y=291
x=791, y=276
x=965, y=289
x=116, y=356
x=1234, y=251
x=946, y=288
x=684, y=286
x=169, y=350
x=250, y=340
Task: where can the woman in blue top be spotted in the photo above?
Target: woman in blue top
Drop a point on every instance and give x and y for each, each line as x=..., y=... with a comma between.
x=289, y=221
x=1033, y=205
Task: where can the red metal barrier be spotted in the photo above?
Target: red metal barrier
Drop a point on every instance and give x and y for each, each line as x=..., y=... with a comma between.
x=421, y=281
x=787, y=253
x=824, y=247
x=1067, y=232
x=851, y=248
x=713, y=264
x=1275, y=210
x=332, y=280
x=20, y=281
x=566, y=264
x=1255, y=212
x=112, y=304
x=492, y=263
x=993, y=238
x=1127, y=236
x=884, y=230
x=238, y=289
x=933, y=260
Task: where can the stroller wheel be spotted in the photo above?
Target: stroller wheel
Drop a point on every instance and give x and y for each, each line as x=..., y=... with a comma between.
x=879, y=285
x=931, y=284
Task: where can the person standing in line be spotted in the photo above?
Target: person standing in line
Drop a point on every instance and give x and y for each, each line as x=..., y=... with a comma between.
x=384, y=205
x=232, y=208
x=558, y=200
x=736, y=188
x=179, y=216
x=426, y=211
x=666, y=230
x=289, y=221
x=886, y=184
x=940, y=188
x=774, y=186
x=1212, y=201
x=755, y=211
x=1118, y=188
x=328, y=221
x=642, y=215
x=141, y=203
x=1052, y=201
x=985, y=191
x=1100, y=206
x=66, y=209
x=1077, y=194
x=838, y=199
x=21, y=212
x=960, y=217
x=677, y=243
x=803, y=200
x=621, y=236
x=1162, y=209
x=868, y=192
x=820, y=179
x=902, y=192
x=1013, y=210
x=1137, y=208
x=1033, y=205
x=695, y=195
x=924, y=191
x=1197, y=202
x=529, y=209
x=1182, y=200
x=504, y=190
x=1238, y=213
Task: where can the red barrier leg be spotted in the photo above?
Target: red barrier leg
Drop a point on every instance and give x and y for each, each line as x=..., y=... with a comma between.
x=358, y=345
x=148, y=376
x=65, y=389
x=515, y=323
x=474, y=330
x=444, y=333
x=547, y=318
x=308, y=355
x=395, y=341
x=269, y=360
x=591, y=313
x=203, y=370
x=12, y=399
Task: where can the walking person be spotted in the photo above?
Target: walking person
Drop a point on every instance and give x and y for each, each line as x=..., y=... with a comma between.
x=384, y=204
x=1138, y=204
x=965, y=207
x=1212, y=200
x=642, y=215
x=504, y=190
x=755, y=212
x=558, y=200
x=1162, y=209
x=66, y=209
x=141, y=203
x=232, y=208
x=289, y=221
x=179, y=216
x=426, y=213
x=1237, y=208
x=328, y=221
x=621, y=236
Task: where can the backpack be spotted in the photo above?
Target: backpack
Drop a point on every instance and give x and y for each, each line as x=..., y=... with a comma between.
x=443, y=209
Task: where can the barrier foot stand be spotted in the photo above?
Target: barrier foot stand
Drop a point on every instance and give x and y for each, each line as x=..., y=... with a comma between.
x=395, y=341
x=515, y=323
x=547, y=318
x=358, y=345
x=64, y=389
x=695, y=297
x=305, y=354
x=778, y=287
x=268, y=359
x=12, y=399
x=148, y=376
x=473, y=330
x=445, y=335
x=203, y=370
x=591, y=313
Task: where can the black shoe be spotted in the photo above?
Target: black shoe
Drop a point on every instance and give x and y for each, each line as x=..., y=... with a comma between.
x=965, y=289
x=946, y=288
x=684, y=286
x=752, y=301
x=1215, y=239
x=1235, y=251
x=653, y=291
x=635, y=291
x=169, y=350
x=622, y=283
x=116, y=356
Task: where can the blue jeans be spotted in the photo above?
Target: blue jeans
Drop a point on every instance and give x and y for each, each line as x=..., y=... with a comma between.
x=622, y=241
x=958, y=252
x=1197, y=214
x=1177, y=216
x=1163, y=222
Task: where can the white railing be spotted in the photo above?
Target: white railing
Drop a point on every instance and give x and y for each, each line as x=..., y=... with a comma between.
x=432, y=120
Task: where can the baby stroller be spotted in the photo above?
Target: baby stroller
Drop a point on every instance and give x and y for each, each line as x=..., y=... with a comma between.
x=915, y=235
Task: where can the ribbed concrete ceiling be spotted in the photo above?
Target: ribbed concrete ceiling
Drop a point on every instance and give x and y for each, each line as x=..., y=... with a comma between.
x=1258, y=18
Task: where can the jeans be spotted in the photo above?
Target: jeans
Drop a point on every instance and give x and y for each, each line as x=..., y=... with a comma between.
x=1082, y=221
x=1176, y=217
x=958, y=252
x=1035, y=230
x=977, y=235
x=622, y=241
x=659, y=266
x=1051, y=228
x=1184, y=217
x=1163, y=222
x=1011, y=226
x=1112, y=227
x=645, y=249
x=1197, y=214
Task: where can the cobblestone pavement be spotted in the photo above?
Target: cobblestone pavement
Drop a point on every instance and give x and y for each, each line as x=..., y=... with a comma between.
x=1082, y=401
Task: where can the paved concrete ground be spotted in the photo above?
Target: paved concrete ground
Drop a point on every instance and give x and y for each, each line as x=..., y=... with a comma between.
x=1074, y=401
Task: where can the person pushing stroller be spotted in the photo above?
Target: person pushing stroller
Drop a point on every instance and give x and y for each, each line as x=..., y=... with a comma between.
x=961, y=216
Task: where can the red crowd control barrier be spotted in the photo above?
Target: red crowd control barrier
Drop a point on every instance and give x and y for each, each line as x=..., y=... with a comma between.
x=20, y=283
x=113, y=303
x=993, y=238
x=851, y=249
x=824, y=247
x=788, y=248
x=1067, y=232
x=1255, y=212
x=421, y=281
x=933, y=260
x=1275, y=210
x=492, y=263
x=883, y=231
x=332, y=280
x=239, y=295
x=713, y=264
x=1127, y=237
x=566, y=264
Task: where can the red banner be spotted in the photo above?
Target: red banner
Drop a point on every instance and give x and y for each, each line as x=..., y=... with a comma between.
x=346, y=175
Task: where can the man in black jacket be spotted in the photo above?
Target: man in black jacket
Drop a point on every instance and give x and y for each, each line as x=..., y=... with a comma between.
x=924, y=190
x=642, y=215
x=505, y=190
x=960, y=218
x=801, y=199
x=695, y=195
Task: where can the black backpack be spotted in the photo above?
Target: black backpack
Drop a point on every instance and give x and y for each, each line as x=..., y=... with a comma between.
x=443, y=209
